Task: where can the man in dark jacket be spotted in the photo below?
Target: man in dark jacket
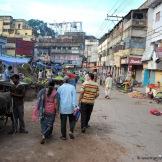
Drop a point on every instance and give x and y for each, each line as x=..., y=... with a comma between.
x=17, y=92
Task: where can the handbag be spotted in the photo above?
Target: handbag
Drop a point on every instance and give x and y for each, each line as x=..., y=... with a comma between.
x=35, y=114
x=76, y=113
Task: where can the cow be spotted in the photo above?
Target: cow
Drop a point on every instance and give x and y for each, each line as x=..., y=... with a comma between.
x=5, y=106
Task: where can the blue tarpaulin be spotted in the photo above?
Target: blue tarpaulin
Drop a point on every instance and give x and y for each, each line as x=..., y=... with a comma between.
x=51, y=66
x=13, y=60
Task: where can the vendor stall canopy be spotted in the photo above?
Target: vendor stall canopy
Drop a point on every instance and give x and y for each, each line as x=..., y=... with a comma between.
x=9, y=60
x=41, y=65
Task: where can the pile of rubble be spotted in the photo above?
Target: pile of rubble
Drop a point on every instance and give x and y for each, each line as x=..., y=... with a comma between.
x=137, y=94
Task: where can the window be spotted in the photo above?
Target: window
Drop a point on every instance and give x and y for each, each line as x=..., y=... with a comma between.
x=138, y=16
x=19, y=25
x=157, y=16
x=5, y=30
x=26, y=33
x=6, y=23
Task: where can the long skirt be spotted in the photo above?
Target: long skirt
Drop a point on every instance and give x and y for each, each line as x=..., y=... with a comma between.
x=47, y=125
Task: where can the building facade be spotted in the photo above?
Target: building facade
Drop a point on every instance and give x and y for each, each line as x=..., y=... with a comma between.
x=120, y=50
x=152, y=57
x=90, y=52
x=16, y=31
x=17, y=28
x=3, y=42
x=66, y=49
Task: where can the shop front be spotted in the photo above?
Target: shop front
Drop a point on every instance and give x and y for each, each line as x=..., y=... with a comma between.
x=135, y=67
x=132, y=66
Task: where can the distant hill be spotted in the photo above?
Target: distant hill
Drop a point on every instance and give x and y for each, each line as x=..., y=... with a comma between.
x=40, y=28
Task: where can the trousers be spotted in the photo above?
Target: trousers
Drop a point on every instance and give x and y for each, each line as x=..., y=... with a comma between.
x=72, y=122
x=18, y=117
x=107, y=91
x=86, y=110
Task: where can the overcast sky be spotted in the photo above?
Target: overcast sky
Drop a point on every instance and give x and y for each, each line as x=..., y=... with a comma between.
x=92, y=13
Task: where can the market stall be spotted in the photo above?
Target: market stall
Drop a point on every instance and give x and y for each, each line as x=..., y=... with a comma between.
x=153, y=89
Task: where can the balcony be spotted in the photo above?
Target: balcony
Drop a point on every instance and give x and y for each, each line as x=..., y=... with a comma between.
x=127, y=52
x=10, y=45
x=135, y=23
x=60, y=51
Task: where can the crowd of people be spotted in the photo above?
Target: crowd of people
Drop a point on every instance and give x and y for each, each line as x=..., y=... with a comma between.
x=64, y=100
x=51, y=100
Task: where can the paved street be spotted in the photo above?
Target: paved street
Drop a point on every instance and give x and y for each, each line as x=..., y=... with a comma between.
x=121, y=130
x=130, y=123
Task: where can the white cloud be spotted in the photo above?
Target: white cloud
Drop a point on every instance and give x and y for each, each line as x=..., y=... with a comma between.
x=57, y=13
x=91, y=18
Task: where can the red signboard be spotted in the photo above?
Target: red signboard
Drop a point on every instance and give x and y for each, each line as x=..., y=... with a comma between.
x=24, y=47
x=134, y=61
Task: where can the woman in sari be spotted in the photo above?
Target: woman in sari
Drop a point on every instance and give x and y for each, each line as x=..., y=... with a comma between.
x=47, y=106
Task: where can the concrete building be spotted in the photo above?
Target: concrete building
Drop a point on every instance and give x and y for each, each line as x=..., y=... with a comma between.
x=66, y=49
x=17, y=28
x=14, y=29
x=3, y=42
x=120, y=50
x=152, y=57
x=90, y=53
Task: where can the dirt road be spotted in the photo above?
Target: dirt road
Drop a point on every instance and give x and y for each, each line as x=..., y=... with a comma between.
x=94, y=146
x=122, y=130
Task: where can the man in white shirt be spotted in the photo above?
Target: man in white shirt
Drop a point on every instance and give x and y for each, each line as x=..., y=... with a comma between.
x=108, y=86
x=40, y=75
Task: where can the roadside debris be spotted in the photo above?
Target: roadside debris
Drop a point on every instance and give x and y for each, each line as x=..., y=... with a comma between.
x=137, y=94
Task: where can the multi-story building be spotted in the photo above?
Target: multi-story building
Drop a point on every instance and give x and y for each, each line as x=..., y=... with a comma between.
x=18, y=28
x=121, y=49
x=3, y=42
x=66, y=49
x=90, y=53
x=19, y=47
x=152, y=57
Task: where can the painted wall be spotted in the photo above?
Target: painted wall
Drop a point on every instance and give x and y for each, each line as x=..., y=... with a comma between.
x=153, y=31
x=157, y=25
x=158, y=76
x=135, y=42
x=145, y=77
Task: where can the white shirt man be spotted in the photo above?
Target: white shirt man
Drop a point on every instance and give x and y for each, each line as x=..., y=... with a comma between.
x=108, y=86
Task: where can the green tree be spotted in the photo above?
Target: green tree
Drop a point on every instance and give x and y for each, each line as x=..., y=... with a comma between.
x=40, y=28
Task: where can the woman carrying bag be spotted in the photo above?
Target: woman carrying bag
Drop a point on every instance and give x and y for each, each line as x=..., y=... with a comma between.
x=46, y=110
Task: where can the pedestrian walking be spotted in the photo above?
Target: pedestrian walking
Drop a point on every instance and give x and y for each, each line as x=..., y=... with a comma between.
x=40, y=75
x=108, y=86
x=7, y=73
x=89, y=92
x=47, y=106
x=17, y=92
x=49, y=74
x=67, y=104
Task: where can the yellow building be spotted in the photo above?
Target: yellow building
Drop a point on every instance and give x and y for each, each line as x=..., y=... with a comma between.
x=17, y=28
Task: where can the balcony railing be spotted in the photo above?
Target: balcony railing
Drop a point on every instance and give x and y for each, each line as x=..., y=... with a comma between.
x=127, y=52
x=135, y=23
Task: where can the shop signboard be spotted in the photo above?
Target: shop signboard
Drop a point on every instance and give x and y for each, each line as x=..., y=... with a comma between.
x=135, y=61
